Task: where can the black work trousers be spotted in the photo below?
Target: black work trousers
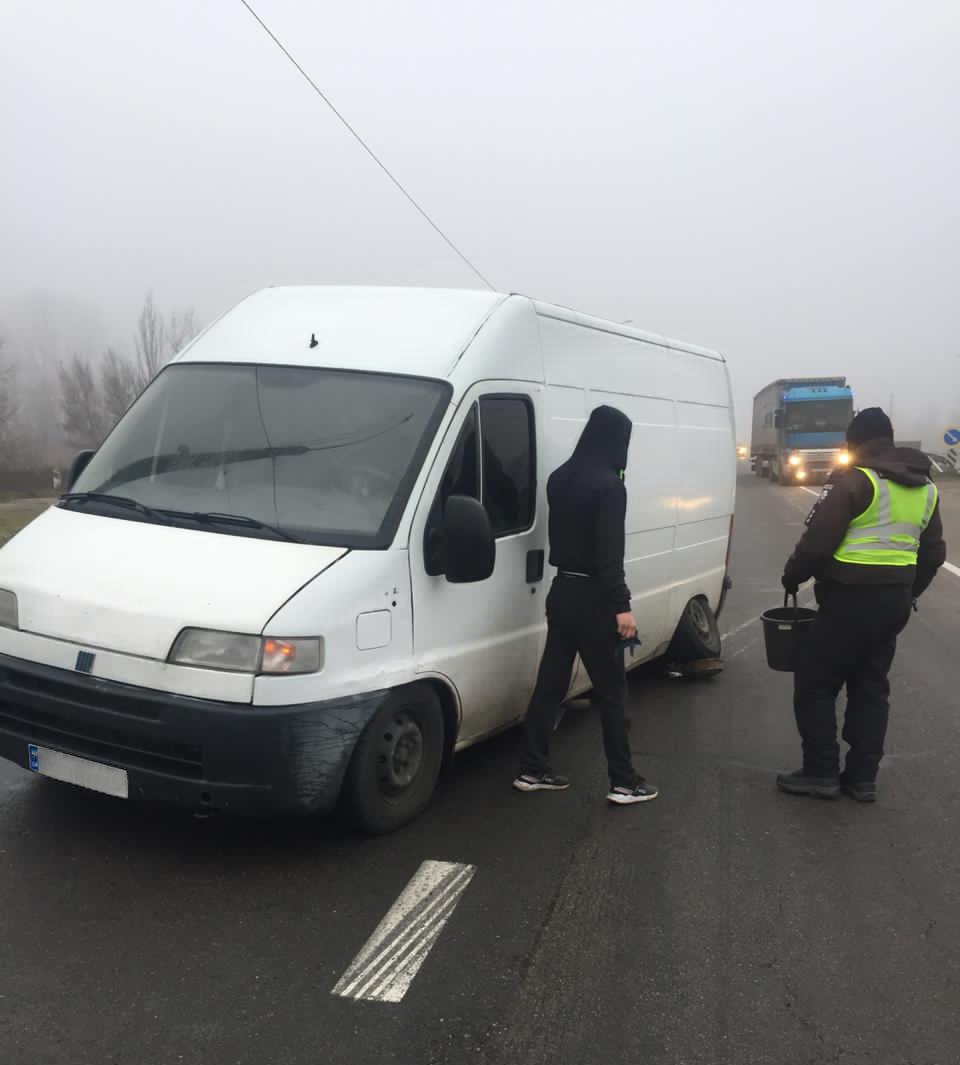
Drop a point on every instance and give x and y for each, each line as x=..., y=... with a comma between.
x=852, y=644
x=580, y=621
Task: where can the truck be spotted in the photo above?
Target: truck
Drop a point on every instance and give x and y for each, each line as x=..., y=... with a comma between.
x=799, y=429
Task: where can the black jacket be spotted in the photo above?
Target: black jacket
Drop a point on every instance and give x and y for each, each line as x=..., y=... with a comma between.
x=588, y=506
x=846, y=496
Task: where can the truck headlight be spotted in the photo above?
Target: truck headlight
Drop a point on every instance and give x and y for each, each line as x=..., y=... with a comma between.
x=236, y=653
x=795, y=460
x=843, y=459
x=9, y=611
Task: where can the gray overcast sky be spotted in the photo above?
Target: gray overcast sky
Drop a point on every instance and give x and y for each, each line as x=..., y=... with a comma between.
x=779, y=180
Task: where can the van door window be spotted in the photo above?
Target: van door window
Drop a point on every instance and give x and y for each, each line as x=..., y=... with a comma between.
x=504, y=481
x=461, y=478
x=509, y=466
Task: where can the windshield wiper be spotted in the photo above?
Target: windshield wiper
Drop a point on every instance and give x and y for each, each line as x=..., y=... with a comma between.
x=125, y=502
x=214, y=518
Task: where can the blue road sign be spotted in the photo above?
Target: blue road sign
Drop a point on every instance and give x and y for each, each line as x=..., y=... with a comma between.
x=951, y=437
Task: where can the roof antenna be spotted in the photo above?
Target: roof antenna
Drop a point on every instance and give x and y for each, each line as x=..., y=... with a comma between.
x=313, y=340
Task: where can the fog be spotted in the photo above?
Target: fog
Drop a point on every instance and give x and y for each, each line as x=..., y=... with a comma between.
x=778, y=181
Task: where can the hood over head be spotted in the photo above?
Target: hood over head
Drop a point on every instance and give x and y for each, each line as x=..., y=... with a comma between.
x=605, y=439
x=870, y=424
x=903, y=465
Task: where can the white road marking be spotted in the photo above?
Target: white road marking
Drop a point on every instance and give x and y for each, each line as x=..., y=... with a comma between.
x=812, y=491
x=801, y=601
x=746, y=625
x=386, y=966
x=748, y=646
x=955, y=570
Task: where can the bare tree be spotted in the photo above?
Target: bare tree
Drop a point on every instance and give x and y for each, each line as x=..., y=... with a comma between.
x=9, y=408
x=83, y=416
x=151, y=342
x=181, y=330
x=158, y=339
x=119, y=384
x=8, y=403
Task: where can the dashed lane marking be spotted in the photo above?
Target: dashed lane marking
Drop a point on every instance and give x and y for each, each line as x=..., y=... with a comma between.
x=386, y=966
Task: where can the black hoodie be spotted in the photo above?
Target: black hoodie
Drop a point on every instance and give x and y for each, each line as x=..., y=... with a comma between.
x=846, y=496
x=588, y=506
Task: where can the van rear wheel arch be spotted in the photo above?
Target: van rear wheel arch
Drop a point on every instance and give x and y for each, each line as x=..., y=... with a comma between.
x=697, y=635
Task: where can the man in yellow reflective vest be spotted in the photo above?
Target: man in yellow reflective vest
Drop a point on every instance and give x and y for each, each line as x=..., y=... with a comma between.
x=873, y=543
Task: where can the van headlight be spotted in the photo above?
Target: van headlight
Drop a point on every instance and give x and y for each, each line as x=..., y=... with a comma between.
x=291, y=656
x=844, y=458
x=236, y=653
x=9, y=611
x=795, y=460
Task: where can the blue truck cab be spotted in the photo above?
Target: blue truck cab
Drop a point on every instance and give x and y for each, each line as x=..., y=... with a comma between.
x=799, y=429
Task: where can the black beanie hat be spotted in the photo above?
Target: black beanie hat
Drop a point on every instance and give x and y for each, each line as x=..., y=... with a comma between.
x=870, y=424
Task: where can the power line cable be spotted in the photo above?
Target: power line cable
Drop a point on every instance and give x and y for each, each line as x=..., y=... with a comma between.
x=366, y=147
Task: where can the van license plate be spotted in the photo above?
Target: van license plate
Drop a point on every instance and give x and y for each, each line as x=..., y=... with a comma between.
x=79, y=771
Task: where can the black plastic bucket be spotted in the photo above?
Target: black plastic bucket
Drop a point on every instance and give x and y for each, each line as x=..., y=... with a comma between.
x=783, y=628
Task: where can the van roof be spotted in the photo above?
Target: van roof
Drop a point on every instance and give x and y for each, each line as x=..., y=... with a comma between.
x=417, y=331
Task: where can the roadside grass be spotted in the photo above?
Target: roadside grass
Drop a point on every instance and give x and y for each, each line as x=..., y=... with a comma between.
x=14, y=516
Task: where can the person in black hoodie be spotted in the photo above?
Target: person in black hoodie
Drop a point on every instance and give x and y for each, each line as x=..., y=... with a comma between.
x=588, y=608
x=870, y=566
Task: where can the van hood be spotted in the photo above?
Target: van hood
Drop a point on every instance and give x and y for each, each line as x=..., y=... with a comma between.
x=131, y=587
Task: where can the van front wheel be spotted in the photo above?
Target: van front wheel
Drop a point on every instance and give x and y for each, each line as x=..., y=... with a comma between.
x=396, y=763
x=698, y=635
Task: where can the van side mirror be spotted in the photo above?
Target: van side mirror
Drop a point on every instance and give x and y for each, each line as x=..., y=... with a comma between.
x=470, y=547
x=79, y=464
x=778, y=419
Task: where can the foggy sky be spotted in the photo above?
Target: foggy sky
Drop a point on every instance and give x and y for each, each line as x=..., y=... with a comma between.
x=777, y=180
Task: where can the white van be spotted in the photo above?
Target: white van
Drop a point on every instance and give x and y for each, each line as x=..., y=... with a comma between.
x=308, y=564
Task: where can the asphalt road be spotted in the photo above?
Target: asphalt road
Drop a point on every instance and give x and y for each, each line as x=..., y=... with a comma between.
x=724, y=924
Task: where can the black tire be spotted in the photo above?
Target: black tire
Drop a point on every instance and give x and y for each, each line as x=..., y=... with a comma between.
x=396, y=763
x=697, y=636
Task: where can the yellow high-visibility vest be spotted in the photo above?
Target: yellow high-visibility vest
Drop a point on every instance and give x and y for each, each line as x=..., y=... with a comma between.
x=888, y=532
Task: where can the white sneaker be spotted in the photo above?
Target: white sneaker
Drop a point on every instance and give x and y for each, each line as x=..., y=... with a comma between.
x=643, y=792
x=541, y=782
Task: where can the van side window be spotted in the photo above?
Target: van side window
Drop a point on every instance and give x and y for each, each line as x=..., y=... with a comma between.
x=509, y=463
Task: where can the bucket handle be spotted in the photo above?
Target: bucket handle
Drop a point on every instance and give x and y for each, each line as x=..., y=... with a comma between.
x=796, y=609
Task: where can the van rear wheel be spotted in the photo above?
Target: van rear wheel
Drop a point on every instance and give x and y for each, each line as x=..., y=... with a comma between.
x=396, y=763
x=698, y=635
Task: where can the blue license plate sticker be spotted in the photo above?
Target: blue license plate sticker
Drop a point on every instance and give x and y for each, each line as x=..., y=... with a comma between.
x=33, y=751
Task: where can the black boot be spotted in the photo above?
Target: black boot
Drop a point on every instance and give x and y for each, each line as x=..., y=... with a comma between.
x=862, y=791
x=800, y=783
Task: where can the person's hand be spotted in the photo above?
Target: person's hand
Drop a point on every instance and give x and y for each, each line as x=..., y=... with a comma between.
x=626, y=626
x=789, y=586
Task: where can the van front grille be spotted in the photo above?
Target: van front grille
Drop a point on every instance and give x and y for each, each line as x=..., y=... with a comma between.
x=57, y=714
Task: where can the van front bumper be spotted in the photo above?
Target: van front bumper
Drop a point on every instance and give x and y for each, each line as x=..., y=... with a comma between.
x=196, y=753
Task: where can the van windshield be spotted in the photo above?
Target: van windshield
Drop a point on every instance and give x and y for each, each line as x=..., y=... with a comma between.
x=321, y=456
